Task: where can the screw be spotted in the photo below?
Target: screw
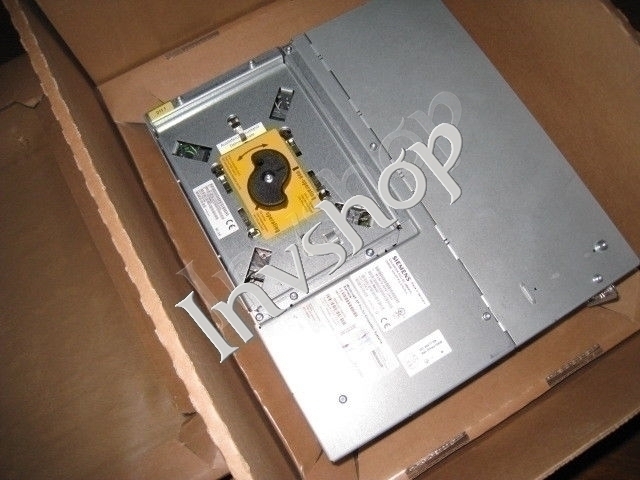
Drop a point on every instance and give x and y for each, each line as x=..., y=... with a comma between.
x=600, y=246
x=293, y=296
x=373, y=146
x=342, y=399
x=369, y=252
x=259, y=317
x=268, y=177
x=486, y=316
x=597, y=278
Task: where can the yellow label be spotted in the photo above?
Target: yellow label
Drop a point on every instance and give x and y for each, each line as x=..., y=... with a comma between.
x=301, y=195
x=161, y=111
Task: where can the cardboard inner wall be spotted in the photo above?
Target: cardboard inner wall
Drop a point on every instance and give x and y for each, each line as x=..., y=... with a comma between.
x=82, y=395
x=114, y=37
x=113, y=194
x=557, y=427
x=510, y=37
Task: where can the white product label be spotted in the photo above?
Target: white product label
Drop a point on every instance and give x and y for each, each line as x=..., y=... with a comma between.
x=215, y=209
x=342, y=310
x=424, y=353
x=235, y=141
x=390, y=291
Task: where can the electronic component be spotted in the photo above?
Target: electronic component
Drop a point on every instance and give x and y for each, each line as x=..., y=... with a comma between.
x=217, y=170
x=252, y=231
x=281, y=104
x=191, y=151
x=322, y=192
x=271, y=173
x=356, y=215
x=234, y=122
x=259, y=258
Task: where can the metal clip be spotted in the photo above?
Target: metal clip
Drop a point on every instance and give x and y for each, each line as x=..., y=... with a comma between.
x=609, y=294
x=234, y=122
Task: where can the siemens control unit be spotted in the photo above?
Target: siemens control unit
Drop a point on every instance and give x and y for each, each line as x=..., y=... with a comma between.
x=397, y=218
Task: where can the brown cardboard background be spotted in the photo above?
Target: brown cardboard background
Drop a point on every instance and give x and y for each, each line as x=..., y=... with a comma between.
x=110, y=38
x=130, y=236
x=81, y=396
x=132, y=94
x=198, y=368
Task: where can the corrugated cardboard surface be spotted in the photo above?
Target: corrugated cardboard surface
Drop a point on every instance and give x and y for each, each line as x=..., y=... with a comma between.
x=110, y=38
x=130, y=235
x=534, y=445
x=81, y=396
x=541, y=57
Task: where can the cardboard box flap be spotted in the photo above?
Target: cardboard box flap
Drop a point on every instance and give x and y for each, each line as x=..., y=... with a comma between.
x=628, y=302
x=20, y=84
x=541, y=438
x=146, y=258
x=194, y=436
x=130, y=95
x=75, y=376
x=110, y=38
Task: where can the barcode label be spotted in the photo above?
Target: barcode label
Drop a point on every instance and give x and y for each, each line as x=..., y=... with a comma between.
x=215, y=209
x=342, y=310
x=424, y=353
x=235, y=141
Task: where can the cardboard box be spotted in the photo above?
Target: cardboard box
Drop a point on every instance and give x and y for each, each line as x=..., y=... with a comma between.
x=87, y=393
x=574, y=64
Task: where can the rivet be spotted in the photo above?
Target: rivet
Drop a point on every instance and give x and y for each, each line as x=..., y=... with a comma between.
x=597, y=278
x=293, y=296
x=600, y=246
x=342, y=399
x=486, y=316
x=288, y=49
x=373, y=146
x=369, y=252
x=259, y=317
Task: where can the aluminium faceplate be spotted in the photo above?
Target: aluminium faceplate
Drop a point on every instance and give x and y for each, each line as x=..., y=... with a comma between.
x=525, y=225
x=475, y=275
x=200, y=118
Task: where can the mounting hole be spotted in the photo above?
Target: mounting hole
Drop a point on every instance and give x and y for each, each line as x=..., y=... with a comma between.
x=342, y=399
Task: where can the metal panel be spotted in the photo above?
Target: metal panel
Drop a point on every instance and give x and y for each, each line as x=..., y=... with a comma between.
x=525, y=226
x=506, y=241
